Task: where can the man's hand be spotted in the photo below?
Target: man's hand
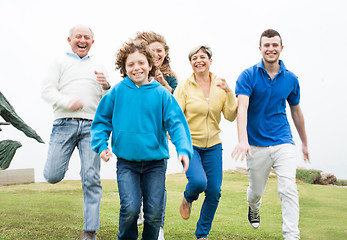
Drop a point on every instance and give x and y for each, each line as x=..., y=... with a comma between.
x=106, y=155
x=75, y=105
x=185, y=161
x=101, y=78
x=305, y=152
x=241, y=150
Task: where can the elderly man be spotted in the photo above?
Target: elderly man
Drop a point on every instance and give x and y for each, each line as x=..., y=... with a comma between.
x=74, y=85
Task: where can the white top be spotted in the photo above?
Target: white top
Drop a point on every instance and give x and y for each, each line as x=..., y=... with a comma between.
x=70, y=78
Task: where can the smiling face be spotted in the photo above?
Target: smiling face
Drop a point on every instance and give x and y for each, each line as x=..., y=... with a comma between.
x=137, y=68
x=159, y=52
x=200, y=62
x=271, y=49
x=81, y=40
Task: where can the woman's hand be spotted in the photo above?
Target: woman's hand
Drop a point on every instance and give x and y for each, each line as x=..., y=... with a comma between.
x=220, y=82
x=160, y=78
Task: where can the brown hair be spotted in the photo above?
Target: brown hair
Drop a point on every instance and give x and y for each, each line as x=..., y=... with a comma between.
x=151, y=37
x=270, y=33
x=129, y=48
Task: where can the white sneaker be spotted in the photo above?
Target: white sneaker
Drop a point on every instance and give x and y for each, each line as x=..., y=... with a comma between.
x=161, y=234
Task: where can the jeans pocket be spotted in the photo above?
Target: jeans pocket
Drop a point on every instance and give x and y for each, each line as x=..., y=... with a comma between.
x=59, y=122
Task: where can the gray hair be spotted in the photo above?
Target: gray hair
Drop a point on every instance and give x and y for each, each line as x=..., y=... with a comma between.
x=81, y=25
x=205, y=48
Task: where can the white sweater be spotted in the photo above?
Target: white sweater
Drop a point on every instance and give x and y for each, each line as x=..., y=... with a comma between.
x=71, y=79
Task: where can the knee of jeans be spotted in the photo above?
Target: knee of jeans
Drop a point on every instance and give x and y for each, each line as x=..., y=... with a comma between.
x=199, y=185
x=213, y=192
x=53, y=178
x=131, y=210
x=91, y=180
x=154, y=216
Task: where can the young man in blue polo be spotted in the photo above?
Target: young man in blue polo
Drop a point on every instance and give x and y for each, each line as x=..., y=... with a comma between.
x=264, y=133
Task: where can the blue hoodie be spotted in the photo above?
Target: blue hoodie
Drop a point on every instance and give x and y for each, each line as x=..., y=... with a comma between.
x=139, y=118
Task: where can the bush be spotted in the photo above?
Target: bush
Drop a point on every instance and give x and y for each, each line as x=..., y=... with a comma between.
x=341, y=183
x=308, y=176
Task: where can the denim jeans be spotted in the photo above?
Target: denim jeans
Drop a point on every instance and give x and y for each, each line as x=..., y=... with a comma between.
x=164, y=202
x=282, y=159
x=66, y=135
x=205, y=174
x=137, y=180
x=165, y=199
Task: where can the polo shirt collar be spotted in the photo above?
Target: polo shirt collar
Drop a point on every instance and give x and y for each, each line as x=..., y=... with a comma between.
x=282, y=66
x=74, y=55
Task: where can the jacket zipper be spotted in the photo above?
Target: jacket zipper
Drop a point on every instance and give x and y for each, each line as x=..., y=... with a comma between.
x=208, y=112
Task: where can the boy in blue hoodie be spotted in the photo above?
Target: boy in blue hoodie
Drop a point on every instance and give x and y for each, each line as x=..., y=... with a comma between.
x=139, y=112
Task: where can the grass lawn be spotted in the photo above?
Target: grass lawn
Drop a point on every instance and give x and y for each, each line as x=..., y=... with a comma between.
x=45, y=211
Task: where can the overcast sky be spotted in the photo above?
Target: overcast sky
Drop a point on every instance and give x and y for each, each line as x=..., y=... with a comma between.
x=314, y=37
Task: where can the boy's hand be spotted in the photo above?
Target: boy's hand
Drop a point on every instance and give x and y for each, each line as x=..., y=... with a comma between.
x=185, y=161
x=106, y=155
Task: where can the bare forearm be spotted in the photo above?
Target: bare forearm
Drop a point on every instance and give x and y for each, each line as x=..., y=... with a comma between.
x=242, y=125
x=299, y=123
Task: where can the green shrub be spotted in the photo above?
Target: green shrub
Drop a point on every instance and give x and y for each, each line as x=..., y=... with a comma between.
x=308, y=175
x=340, y=182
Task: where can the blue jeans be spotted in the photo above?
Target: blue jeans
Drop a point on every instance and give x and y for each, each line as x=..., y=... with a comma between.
x=137, y=180
x=205, y=174
x=165, y=199
x=66, y=135
x=164, y=202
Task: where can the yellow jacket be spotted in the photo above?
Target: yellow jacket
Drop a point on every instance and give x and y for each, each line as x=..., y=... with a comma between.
x=204, y=115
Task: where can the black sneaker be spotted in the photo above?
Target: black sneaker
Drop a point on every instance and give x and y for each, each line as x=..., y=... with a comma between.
x=253, y=218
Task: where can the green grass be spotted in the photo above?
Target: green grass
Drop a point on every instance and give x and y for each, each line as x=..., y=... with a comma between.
x=44, y=211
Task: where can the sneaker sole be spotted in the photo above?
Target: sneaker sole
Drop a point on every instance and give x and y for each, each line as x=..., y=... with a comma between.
x=254, y=227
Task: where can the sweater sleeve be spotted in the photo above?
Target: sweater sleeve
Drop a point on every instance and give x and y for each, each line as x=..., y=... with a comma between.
x=230, y=108
x=102, y=124
x=50, y=86
x=177, y=126
x=172, y=81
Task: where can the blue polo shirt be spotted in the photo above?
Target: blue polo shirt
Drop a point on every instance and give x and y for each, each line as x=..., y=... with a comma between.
x=267, y=122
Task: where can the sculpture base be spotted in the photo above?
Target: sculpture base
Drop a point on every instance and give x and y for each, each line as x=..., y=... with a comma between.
x=17, y=176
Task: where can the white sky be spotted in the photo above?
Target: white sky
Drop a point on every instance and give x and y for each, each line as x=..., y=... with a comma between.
x=314, y=37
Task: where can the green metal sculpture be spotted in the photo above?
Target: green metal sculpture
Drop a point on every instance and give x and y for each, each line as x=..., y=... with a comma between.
x=8, y=147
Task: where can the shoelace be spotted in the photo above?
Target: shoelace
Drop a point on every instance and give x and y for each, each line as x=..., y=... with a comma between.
x=254, y=215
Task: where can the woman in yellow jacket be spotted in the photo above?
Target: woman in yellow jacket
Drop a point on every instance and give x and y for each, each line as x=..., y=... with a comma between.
x=203, y=98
